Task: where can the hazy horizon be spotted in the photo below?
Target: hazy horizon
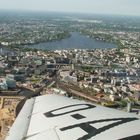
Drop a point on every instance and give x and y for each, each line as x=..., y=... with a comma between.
x=107, y=7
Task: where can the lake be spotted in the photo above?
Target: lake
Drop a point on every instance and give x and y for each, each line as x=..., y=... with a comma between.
x=76, y=40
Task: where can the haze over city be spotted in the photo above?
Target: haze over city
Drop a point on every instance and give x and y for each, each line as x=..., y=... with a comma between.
x=119, y=7
x=61, y=61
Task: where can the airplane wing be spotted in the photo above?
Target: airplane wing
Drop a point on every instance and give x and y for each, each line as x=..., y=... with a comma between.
x=54, y=117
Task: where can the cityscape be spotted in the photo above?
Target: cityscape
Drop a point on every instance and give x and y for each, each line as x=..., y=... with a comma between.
x=89, y=57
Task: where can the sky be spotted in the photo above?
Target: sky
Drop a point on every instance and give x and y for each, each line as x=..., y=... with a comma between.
x=119, y=7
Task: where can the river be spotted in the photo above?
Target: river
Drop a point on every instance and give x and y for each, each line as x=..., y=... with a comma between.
x=76, y=40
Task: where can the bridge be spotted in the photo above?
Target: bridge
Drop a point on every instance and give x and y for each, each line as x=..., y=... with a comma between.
x=57, y=66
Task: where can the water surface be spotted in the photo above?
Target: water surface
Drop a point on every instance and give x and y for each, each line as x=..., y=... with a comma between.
x=75, y=41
